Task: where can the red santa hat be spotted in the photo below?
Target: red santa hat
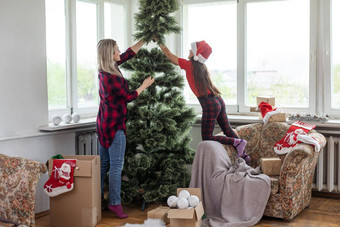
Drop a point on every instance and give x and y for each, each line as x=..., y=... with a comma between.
x=267, y=111
x=201, y=51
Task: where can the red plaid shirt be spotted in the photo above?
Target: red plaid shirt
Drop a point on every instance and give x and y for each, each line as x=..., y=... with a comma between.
x=114, y=95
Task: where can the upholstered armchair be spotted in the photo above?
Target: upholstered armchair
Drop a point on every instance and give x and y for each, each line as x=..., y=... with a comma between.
x=290, y=191
x=18, y=180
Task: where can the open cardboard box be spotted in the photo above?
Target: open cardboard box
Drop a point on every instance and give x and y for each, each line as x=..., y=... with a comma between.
x=160, y=212
x=187, y=217
x=82, y=205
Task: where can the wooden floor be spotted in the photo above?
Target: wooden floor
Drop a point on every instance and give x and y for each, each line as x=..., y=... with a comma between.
x=323, y=211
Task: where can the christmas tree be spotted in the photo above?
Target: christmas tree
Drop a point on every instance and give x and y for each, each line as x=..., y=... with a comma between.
x=158, y=124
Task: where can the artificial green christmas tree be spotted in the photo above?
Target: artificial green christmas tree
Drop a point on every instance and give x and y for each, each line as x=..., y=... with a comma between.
x=158, y=122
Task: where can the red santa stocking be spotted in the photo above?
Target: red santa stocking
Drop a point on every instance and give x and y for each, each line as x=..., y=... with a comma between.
x=296, y=130
x=61, y=179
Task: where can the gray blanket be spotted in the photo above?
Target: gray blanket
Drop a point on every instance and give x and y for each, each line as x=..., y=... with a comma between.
x=233, y=194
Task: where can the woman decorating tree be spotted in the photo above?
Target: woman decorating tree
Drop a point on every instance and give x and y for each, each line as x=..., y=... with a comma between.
x=213, y=106
x=114, y=95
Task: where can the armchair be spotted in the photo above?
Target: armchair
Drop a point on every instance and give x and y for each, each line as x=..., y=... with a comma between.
x=18, y=179
x=290, y=191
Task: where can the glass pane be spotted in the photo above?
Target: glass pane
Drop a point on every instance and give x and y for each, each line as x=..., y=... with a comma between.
x=277, y=52
x=56, y=53
x=336, y=54
x=222, y=37
x=114, y=22
x=87, y=78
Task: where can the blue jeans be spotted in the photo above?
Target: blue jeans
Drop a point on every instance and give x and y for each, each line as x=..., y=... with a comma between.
x=112, y=160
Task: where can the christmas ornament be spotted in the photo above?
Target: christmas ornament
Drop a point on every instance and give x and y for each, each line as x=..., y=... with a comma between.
x=184, y=194
x=56, y=120
x=75, y=117
x=67, y=118
x=172, y=201
x=61, y=179
x=182, y=203
x=290, y=140
x=193, y=201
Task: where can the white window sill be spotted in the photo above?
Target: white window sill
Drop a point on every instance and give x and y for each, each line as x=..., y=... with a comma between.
x=83, y=123
x=234, y=120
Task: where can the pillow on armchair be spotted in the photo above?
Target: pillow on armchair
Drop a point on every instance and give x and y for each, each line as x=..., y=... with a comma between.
x=19, y=177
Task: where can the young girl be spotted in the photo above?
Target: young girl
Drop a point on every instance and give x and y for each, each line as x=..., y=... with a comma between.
x=114, y=95
x=208, y=95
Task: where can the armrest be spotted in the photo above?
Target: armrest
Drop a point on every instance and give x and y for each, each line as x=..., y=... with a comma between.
x=297, y=166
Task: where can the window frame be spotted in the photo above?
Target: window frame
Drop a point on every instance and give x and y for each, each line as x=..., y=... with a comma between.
x=320, y=54
x=242, y=108
x=325, y=49
x=71, y=53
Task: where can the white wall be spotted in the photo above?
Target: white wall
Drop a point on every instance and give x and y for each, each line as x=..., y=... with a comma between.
x=23, y=89
x=23, y=93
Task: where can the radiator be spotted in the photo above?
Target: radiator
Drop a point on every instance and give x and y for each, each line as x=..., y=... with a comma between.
x=87, y=143
x=327, y=173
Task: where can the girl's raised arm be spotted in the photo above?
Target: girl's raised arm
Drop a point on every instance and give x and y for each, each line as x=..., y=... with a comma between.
x=173, y=58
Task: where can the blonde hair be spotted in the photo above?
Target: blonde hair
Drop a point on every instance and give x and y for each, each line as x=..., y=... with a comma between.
x=105, y=57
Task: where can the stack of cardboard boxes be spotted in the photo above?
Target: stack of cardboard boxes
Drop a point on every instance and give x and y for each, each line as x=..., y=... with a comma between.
x=281, y=117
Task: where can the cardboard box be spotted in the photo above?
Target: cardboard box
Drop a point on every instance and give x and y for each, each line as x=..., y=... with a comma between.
x=279, y=117
x=271, y=166
x=187, y=217
x=82, y=205
x=160, y=212
x=267, y=99
x=254, y=109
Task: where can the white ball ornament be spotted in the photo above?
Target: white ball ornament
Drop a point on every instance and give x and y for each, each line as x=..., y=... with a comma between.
x=182, y=203
x=172, y=201
x=184, y=194
x=193, y=201
x=67, y=118
x=75, y=117
x=56, y=120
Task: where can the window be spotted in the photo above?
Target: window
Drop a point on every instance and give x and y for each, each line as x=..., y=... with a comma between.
x=335, y=58
x=277, y=52
x=86, y=41
x=259, y=48
x=200, y=24
x=73, y=29
x=56, y=54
